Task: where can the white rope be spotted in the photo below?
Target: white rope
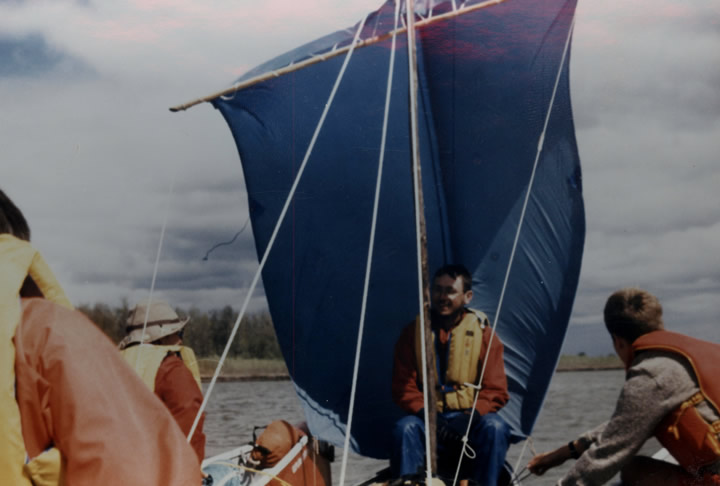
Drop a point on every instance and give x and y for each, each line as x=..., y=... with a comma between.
x=276, y=230
x=155, y=267
x=388, y=92
x=520, y=458
x=540, y=145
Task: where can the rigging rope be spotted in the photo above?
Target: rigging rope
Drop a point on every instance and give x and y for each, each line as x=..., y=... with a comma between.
x=241, y=467
x=155, y=267
x=517, y=472
x=271, y=242
x=207, y=255
x=376, y=203
x=540, y=145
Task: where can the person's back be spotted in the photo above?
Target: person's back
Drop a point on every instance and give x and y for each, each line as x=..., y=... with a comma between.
x=67, y=398
x=154, y=349
x=75, y=392
x=670, y=392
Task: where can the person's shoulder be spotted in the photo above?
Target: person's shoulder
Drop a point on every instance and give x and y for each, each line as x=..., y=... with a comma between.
x=661, y=366
x=407, y=334
x=172, y=364
x=38, y=311
x=482, y=318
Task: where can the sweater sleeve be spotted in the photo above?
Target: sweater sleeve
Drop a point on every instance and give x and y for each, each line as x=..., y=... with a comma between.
x=178, y=390
x=656, y=384
x=405, y=391
x=493, y=393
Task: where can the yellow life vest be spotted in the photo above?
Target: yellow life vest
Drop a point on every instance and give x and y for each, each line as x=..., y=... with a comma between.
x=145, y=359
x=18, y=260
x=465, y=346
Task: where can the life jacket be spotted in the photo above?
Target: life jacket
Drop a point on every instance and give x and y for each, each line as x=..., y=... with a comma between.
x=146, y=359
x=691, y=440
x=19, y=260
x=463, y=356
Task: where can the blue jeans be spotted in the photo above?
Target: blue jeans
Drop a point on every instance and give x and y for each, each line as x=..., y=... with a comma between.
x=489, y=437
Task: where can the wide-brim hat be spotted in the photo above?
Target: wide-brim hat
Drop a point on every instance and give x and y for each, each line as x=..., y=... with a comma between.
x=161, y=321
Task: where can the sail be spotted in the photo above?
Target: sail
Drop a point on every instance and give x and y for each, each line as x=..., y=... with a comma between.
x=486, y=80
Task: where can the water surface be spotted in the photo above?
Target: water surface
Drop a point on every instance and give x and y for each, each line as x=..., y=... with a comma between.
x=576, y=402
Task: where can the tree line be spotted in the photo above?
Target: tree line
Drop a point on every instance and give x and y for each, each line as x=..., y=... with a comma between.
x=206, y=332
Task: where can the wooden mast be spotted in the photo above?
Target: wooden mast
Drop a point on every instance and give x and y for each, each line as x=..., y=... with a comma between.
x=429, y=378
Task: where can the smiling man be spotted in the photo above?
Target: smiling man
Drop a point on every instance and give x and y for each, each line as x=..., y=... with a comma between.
x=462, y=342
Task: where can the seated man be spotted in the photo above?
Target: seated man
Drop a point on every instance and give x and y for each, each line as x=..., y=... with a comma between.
x=462, y=341
x=165, y=365
x=71, y=409
x=671, y=391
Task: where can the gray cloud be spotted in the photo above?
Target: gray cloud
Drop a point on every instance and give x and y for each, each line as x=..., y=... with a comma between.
x=31, y=55
x=644, y=83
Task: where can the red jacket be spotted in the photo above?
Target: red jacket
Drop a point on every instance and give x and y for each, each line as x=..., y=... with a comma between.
x=408, y=395
x=178, y=390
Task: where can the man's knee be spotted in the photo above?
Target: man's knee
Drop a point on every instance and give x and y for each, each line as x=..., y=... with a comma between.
x=492, y=426
x=409, y=425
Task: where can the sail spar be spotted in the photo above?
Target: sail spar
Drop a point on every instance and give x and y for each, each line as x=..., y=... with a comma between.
x=486, y=79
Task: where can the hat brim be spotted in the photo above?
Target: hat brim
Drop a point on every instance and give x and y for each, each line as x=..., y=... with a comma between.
x=152, y=332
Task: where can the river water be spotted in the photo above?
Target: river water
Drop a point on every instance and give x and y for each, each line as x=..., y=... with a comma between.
x=576, y=402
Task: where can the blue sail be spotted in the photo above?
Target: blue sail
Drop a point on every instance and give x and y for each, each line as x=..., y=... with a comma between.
x=486, y=81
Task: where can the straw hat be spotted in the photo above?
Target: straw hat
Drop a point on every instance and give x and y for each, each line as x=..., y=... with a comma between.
x=161, y=321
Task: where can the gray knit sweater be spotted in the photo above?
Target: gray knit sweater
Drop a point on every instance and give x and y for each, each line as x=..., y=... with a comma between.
x=656, y=383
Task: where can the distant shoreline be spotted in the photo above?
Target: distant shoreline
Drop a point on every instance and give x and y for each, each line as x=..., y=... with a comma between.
x=589, y=363
x=270, y=370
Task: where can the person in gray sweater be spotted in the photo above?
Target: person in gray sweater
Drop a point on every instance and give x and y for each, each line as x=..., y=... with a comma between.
x=670, y=382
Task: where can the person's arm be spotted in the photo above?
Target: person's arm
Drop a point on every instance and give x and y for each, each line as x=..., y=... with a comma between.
x=405, y=391
x=493, y=394
x=655, y=385
x=541, y=463
x=176, y=387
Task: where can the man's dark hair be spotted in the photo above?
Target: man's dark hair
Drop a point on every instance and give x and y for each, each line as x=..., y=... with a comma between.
x=12, y=220
x=456, y=270
x=629, y=313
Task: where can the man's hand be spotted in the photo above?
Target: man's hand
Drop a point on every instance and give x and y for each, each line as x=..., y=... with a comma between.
x=539, y=464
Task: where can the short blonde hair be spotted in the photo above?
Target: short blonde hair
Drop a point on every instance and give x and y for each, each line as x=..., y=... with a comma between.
x=631, y=312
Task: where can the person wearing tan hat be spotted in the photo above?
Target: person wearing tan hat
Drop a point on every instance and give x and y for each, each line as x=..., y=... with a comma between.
x=154, y=348
x=71, y=410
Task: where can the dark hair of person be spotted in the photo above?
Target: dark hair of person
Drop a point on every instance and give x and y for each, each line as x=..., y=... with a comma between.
x=456, y=270
x=629, y=313
x=12, y=220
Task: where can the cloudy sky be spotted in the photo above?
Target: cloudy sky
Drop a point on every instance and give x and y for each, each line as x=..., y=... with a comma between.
x=96, y=161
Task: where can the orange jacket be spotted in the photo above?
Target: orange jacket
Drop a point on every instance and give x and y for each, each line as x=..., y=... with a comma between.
x=684, y=432
x=178, y=390
x=76, y=392
x=407, y=393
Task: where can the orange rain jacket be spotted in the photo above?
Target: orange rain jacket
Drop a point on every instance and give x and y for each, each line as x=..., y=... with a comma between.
x=75, y=392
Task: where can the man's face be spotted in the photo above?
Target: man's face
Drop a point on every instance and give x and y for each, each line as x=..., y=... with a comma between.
x=448, y=296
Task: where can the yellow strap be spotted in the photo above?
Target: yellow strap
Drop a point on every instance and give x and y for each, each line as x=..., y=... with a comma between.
x=690, y=402
x=18, y=260
x=47, y=469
